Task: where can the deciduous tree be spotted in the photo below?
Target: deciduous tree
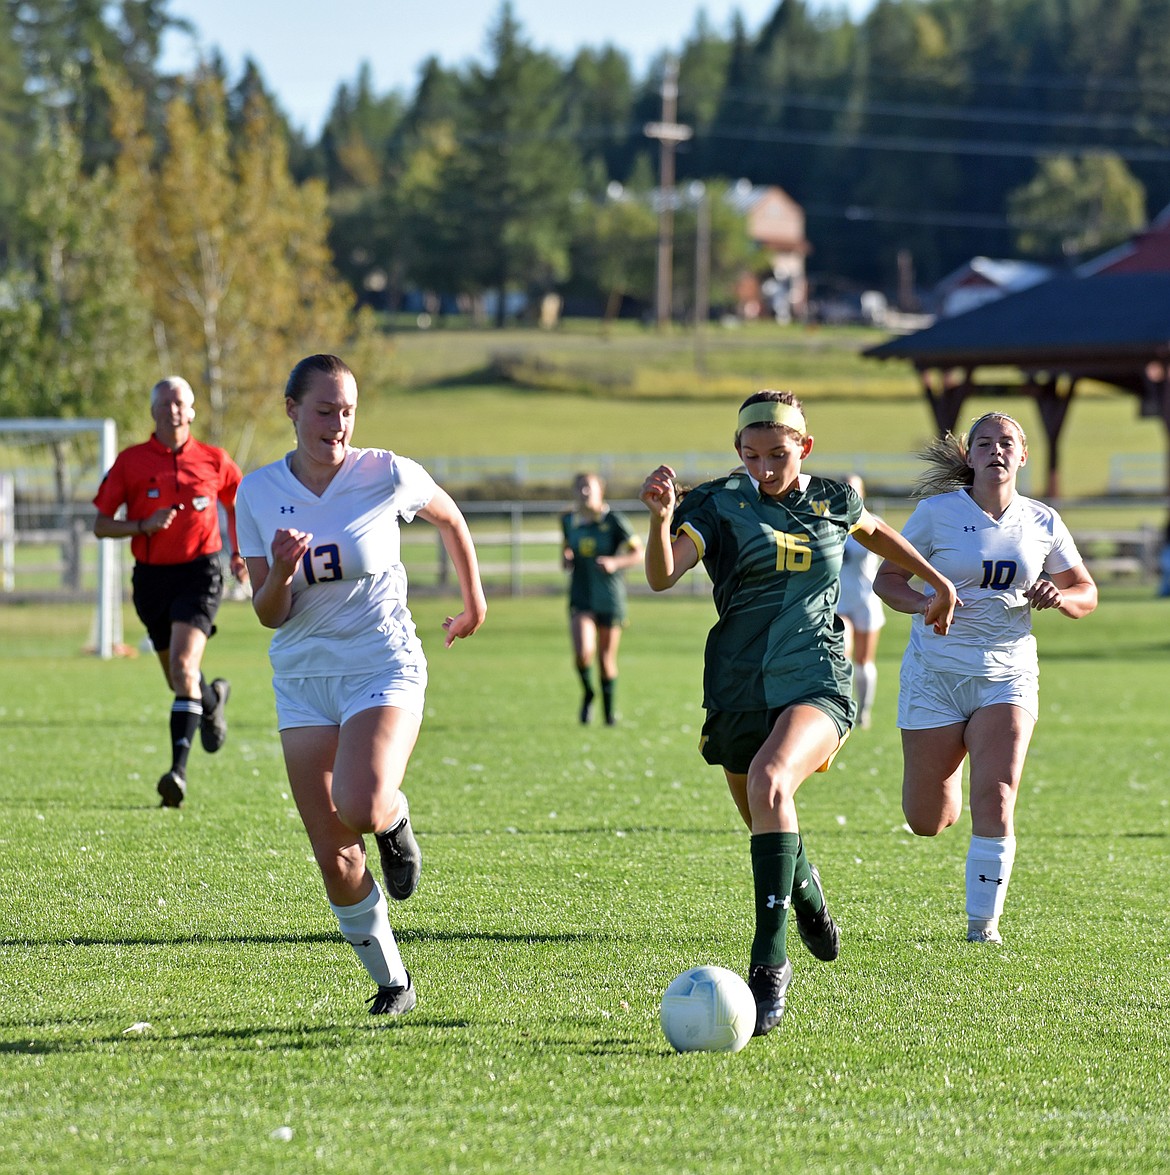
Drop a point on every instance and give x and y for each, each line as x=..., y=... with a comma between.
x=233, y=253
x=1072, y=207
x=74, y=325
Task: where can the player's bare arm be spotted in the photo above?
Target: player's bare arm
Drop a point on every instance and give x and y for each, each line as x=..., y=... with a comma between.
x=666, y=562
x=902, y=561
x=629, y=557
x=238, y=564
x=272, y=583
x=442, y=513
x=1073, y=593
x=106, y=527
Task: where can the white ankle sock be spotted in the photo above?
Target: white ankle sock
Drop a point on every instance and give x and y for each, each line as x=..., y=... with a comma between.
x=366, y=927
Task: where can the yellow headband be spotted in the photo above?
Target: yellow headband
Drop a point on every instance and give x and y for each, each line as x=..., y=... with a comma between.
x=771, y=412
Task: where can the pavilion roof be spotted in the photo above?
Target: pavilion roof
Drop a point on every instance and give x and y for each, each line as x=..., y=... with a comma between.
x=1111, y=322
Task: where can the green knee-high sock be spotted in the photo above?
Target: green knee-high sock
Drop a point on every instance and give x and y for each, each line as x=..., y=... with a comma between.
x=608, y=692
x=773, y=867
x=586, y=676
x=806, y=897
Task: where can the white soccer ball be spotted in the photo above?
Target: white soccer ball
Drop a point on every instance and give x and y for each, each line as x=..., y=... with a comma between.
x=708, y=1010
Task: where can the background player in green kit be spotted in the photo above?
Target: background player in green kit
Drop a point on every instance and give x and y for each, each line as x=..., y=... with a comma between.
x=777, y=686
x=599, y=546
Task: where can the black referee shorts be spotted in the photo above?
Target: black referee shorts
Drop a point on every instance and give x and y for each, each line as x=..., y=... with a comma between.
x=183, y=593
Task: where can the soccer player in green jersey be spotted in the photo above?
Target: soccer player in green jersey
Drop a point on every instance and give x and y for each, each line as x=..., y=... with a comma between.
x=777, y=686
x=599, y=545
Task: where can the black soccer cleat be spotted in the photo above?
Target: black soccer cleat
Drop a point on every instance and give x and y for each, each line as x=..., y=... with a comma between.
x=213, y=726
x=770, y=987
x=818, y=931
x=173, y=789
x=393, y=1000
x=400, y=855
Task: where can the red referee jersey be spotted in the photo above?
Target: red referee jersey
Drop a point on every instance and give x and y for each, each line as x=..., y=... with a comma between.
x=196, y=477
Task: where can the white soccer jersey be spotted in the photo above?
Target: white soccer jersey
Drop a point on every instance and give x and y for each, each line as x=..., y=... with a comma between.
x=859, y=568
x=991, y=563
x=349, y=612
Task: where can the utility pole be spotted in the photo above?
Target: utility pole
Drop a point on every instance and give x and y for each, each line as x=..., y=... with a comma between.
x=669, y=134
x=699, y=194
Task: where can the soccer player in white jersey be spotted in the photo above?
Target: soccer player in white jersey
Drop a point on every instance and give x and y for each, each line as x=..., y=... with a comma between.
x=862, y=614
x=320, y=532
x=975, y=694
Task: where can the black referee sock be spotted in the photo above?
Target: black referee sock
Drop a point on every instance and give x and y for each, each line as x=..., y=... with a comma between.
x=185, y=717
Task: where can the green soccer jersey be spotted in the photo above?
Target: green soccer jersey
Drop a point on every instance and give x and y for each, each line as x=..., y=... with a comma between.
x=590, y=588
x=774, y=566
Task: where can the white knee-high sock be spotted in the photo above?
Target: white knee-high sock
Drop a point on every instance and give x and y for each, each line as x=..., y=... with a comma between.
x=366, y=927
x=989, y=867
x=865, y=686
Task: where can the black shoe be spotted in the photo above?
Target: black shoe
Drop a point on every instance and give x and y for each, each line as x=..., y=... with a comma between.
x=173, y=789
x=587, y=709
x=393, y=1000
x=213, y=726
x=770, y=987
x=818, y=931
x=400, y=855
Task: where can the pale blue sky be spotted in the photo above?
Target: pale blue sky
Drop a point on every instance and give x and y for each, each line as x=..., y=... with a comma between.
x=306, y=48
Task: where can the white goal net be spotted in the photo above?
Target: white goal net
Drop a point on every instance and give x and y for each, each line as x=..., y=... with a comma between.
x=49, y=473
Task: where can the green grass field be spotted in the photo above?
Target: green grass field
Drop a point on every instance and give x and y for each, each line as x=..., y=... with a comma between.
x=435, y=393
x=177, y=998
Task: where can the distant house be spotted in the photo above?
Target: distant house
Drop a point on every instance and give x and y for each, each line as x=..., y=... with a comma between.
x=1145, y=252
x=775, y=222
x=982, y=280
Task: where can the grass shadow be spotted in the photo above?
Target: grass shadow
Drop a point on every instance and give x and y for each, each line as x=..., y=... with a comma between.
x=519, y=938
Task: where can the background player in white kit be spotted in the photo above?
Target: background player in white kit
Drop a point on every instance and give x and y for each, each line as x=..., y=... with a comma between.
x=976, y=692
x=861, y=610
x=320, y=531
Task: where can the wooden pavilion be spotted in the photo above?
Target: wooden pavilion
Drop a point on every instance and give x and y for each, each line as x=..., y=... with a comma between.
x=1111, y=327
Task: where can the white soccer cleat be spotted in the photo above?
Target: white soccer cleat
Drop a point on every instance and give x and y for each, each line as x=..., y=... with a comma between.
x=985, y=935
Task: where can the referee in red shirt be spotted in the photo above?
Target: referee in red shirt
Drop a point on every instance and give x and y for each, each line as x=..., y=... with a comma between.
x=172, y=487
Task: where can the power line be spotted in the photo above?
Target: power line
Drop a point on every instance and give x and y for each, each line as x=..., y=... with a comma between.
x=847, y=140
x=980, y=114
x=844, y=140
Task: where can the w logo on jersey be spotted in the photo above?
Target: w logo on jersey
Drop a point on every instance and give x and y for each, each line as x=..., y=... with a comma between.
x=821, y=508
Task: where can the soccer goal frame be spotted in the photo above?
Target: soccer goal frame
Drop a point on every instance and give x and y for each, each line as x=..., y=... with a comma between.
x=108, y=624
